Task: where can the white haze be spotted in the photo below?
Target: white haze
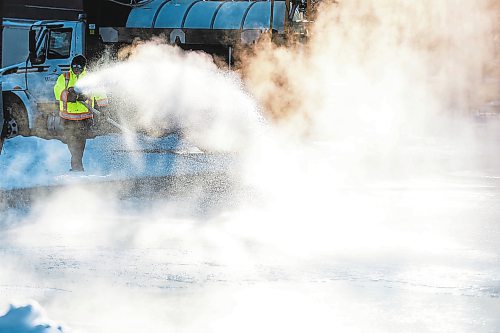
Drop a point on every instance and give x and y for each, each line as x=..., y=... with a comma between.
x=355, y=166
x=160, y=88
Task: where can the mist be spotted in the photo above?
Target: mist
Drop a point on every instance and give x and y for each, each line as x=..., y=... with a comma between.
x=358, y=168
x=161, y=89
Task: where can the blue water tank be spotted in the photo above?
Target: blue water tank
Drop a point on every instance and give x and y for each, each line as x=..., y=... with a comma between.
x=259, y=15
x=144, y=16
x=231, y=15
x=172, y=13
x=200, y=14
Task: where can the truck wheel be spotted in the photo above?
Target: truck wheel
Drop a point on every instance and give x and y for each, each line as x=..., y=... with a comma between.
x=17, y=120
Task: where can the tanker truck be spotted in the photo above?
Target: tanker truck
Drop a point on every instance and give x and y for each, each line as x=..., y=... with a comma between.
x=216, y=27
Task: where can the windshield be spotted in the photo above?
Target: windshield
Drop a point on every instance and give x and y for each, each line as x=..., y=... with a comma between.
x=59, y=44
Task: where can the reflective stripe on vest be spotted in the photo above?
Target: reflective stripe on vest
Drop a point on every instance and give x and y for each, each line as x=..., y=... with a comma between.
x=75, y=116
x=64, y=94
x=101, y=102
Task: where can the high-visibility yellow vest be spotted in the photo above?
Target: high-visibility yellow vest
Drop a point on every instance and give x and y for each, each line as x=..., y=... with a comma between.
x=74, y=110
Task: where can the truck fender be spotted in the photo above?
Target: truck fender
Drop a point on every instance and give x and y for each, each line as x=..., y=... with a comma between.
x=28, y=105
x=21, y=109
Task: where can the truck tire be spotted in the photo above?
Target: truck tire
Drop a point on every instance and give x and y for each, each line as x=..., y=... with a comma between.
x=3, y=127
x=16, y=119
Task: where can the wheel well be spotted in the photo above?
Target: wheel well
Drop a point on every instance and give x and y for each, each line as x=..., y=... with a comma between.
x=10, y=98
x=16, y=116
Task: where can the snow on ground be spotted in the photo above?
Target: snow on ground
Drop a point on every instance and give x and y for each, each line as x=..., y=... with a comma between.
x=29, y=318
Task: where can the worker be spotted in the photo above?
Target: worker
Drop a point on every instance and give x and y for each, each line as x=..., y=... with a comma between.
x=76, y=118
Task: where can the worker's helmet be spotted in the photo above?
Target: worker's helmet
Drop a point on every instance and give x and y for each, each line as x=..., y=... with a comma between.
x=78, y=62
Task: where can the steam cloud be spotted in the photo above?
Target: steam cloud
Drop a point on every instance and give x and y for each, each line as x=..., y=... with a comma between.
x=162, y=89
x=372, y=66
x=356, y=107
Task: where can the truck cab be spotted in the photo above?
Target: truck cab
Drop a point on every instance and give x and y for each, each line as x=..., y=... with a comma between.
x=27, y=87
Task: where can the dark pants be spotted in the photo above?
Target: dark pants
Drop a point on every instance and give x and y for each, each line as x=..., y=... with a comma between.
x=75, y=136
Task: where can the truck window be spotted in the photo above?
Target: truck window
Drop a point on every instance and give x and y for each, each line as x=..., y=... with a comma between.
x=59, y=44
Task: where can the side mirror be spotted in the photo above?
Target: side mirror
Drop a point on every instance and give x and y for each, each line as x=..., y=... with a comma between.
x=33, y=57
x=32, y=44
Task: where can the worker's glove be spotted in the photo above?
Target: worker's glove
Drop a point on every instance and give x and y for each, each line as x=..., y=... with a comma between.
x=82, y=98
x=72, y=95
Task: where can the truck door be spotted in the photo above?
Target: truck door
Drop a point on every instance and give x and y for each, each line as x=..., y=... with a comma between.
x=56, y=46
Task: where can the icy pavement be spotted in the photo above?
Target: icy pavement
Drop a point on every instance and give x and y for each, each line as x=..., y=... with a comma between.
x=401, y=253
x=30, y=162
